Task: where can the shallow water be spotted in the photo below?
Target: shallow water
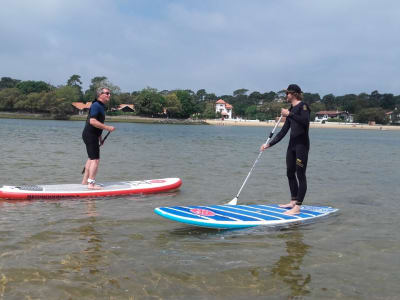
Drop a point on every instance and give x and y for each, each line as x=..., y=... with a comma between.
x=118, y=248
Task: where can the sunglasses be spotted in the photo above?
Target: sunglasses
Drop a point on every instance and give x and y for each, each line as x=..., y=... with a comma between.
x=106, y=93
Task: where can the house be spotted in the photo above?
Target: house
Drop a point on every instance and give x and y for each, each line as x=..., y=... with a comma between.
x=325, y=115
x=81, y=107
x=126, y=107
x=224, y=108
x=393, y=116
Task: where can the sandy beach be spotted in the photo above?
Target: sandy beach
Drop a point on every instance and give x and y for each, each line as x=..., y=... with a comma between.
x=327, y=125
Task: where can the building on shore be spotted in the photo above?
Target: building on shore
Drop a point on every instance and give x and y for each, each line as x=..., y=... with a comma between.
x=325, y=115
x=81, y=108
x=224, y=108
x=394, y=116
x=125, y=108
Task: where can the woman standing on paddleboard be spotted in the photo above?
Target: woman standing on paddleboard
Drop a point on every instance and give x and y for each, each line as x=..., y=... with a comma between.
x=91, y=135
x=298, y=121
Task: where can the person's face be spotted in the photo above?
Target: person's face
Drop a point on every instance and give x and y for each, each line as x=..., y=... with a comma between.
x=105, y=95
x=289, y=97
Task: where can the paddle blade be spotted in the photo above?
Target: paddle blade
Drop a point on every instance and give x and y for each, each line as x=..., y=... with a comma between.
x=233, y=201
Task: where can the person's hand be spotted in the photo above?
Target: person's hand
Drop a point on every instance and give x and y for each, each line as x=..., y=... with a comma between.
x=110, y=128
x=264, y=146
x=285, y=112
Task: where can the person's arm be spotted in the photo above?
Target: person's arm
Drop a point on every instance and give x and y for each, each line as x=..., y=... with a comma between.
x=303, y=118
x=281, y=134
x=100, y=125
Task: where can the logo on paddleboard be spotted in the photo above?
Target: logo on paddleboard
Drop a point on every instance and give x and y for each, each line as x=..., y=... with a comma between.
x=157, y=181
x=202, y=212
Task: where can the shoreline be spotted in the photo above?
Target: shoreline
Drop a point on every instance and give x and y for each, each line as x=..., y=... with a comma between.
x=327, y=125
x=147, y=120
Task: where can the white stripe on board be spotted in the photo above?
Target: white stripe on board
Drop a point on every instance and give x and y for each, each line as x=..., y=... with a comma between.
x=267, y=206
x=241, y=208
x=236, y=213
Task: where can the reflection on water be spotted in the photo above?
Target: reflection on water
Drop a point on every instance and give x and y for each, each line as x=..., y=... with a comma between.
x=117, y=248
x=288, y=267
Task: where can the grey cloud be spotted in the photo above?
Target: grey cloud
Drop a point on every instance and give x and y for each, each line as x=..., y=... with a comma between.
x=326, y=46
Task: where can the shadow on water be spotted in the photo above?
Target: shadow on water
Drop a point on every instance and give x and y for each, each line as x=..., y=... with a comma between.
x=288, y=267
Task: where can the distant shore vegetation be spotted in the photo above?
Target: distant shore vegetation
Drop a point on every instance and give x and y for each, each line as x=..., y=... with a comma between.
x=40, y=97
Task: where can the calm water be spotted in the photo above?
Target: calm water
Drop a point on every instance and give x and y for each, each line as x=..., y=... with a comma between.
x=117, y=248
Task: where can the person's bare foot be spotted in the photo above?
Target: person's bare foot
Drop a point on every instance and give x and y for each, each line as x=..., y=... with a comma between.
x=295, y=210
x=94, y=187
x=289, y=205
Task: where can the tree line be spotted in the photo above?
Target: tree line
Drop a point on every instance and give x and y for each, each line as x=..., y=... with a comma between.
x=44, y=98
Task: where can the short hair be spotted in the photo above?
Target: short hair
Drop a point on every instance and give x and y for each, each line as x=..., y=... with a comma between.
x=100, y=89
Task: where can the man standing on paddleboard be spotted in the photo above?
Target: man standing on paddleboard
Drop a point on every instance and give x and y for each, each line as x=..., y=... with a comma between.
x=91, y=135
x=298, y=121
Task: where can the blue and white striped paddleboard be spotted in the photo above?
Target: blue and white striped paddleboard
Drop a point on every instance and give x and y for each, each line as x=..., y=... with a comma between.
x=240, y=216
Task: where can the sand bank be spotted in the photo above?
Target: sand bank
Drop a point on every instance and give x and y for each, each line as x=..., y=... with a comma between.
x=312, y=125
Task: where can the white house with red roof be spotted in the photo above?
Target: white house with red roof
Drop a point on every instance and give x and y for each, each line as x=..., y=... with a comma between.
x=325, y=115
x=224, y=108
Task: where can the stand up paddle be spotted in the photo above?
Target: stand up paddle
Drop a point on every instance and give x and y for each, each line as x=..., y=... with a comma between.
x=234, y=200
x=101, y=144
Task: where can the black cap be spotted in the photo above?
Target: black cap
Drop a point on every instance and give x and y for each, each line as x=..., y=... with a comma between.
x=293, y=88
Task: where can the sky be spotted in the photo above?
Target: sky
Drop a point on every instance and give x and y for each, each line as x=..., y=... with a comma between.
x=325, y=46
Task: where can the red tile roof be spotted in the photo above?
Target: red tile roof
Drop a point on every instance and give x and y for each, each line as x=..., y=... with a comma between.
x=81, y=105
x=220, y=101
x=122, y=106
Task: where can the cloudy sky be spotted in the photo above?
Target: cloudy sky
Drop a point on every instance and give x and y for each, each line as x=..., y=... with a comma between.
x=326, y=46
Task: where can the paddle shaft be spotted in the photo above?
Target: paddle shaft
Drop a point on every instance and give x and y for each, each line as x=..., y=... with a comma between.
x=258, y=157
x=101, y=143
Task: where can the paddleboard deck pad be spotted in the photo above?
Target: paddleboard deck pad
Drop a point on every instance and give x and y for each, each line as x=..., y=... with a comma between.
x=28, y=192
x=240, y=216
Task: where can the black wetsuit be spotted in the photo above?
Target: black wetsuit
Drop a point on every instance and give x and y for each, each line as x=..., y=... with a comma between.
x=91, y=134
x=298, y=122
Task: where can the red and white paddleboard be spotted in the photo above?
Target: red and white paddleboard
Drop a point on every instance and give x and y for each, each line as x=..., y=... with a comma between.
x=55, y=191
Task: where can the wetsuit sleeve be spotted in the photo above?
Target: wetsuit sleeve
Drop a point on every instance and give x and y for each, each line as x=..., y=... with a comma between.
x=281, y=134
x=94, y=111
x=303, y=118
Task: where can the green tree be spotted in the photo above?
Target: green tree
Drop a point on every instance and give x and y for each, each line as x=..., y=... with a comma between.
x=30, y=103
x=150, y=103
x=201, y=95
x=388, y=101
x=316, y=107
x=256, y=98
x=173, y=105
x=271, y=110
x=269, y=96
x=329, y=101
x=187, y=102
x=31, y=86
x=8, y=98
x=68, y=93
x=75, y=81
x=240, y=92
x=371, y=114
x=209, y=111
x=310, y=98
x=251, y=112
x=8, y=83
